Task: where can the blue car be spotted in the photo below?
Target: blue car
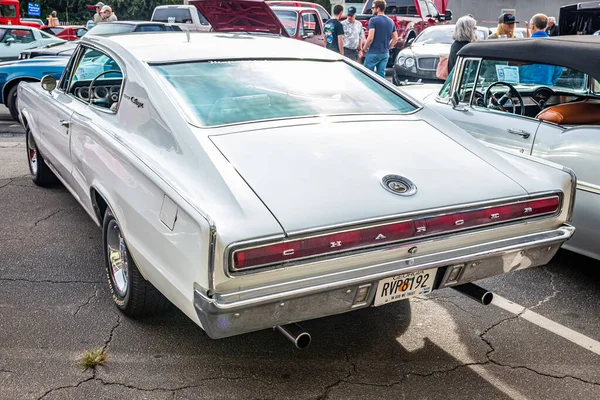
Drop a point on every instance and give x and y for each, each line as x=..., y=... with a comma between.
x=13, y=72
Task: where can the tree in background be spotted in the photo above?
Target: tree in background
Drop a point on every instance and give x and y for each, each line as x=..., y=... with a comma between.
x=139, y=10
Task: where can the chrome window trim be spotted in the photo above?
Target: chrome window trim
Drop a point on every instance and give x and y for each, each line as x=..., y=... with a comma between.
x=115, y=58
x=324, y=231
x=159, y=80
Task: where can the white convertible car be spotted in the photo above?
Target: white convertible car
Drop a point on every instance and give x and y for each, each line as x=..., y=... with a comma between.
x=256, y=181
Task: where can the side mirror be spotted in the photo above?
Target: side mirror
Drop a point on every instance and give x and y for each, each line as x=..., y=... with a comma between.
x=48, y=83
x=410, y=41
x=81, y=33
x=10, y=41
x=455, y=99
x=448, y=15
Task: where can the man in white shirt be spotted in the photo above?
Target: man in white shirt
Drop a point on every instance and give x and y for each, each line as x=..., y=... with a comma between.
x=354, y=35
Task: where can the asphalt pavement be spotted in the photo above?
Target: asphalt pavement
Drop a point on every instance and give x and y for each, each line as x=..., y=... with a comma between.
x=540, y=339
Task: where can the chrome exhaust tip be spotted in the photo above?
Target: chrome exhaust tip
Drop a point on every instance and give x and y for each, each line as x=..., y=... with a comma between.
x=296, y=335
x=475, y=292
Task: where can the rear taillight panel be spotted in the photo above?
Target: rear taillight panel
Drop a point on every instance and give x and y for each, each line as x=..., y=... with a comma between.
x=387, y=233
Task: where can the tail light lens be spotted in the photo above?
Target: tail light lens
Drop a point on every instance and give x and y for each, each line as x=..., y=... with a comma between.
x=320, y=245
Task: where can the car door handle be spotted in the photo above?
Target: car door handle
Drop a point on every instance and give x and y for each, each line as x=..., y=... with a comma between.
x=520, y=132
x=65, y=123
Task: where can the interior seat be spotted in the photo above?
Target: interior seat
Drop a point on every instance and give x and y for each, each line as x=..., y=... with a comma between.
x=586, y=112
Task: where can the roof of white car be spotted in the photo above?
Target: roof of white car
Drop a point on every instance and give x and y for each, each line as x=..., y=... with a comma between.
x=16, y=27
x=174, y=47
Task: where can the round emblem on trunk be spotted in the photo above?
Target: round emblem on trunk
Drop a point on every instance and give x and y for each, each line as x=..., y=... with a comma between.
x=398, y=185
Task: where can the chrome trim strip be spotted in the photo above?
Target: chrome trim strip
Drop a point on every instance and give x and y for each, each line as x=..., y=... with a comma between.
x=588, y=187
x=306, y=286
x=238, y=246
x=573, y=193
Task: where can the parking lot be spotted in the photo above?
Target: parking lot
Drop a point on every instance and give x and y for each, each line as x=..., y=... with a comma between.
x=538, y=340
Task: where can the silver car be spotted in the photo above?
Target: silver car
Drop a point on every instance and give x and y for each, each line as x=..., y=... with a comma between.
x=230, y=178
x=539, y=97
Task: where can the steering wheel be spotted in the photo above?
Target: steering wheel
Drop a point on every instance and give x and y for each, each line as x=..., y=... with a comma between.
x=511, y=94
x=96, y=78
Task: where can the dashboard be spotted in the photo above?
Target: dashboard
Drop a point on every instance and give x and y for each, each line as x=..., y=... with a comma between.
x=105, y=93
x=109, y=93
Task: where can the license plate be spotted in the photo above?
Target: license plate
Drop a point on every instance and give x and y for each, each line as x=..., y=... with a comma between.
x=405, y=286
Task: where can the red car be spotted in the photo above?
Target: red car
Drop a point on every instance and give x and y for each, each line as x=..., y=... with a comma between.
x=66, y=32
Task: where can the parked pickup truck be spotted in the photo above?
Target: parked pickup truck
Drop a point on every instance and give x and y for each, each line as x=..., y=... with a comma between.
x=580, y=19
x=10, y=14
x=184, y=15
x=410, y=17
x=302, y=23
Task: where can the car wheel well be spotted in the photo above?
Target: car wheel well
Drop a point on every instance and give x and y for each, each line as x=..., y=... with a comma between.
x=100, y=205
x=12, y=84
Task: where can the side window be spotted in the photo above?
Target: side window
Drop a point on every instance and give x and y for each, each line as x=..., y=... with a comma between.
x=150, y=28
x=424, y=9
x=445, y=90
x=433, y=11
x=596, y=87
x=97, y=79
x=66, y=75
x=46, y=35
x=309, y=24
x=202, y=18
x=18, y=36
x=467, y=80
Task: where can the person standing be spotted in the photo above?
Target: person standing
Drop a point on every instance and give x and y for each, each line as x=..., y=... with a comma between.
x=354, y=35
x=378, y=44
x=464, y=33
x=538, y=25
x=108, y=15
x=552, y=29
x=506, y=27
x=53, y=20
x=98, y=16
x=539, y=74
x=334, y=31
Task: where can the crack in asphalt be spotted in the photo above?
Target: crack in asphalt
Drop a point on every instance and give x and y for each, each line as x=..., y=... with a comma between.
x=10, y=180
x=46, y=218
x=66, y=387
x=95, y=294
x=555, y=291
x=544, y=374
x=111, y=334
x=447, y=300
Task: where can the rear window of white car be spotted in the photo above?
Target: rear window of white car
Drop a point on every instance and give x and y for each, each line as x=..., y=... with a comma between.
x=227, y=92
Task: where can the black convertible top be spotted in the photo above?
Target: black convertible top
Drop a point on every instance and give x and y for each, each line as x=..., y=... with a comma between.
x=581, y=53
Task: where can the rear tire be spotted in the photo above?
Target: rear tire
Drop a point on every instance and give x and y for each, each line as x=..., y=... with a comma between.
x=41, y=174
x=131, y=293
x=11, y=102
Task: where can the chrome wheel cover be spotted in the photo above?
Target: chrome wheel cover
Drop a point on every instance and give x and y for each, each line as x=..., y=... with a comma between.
x=32, y=155
x=117, y=258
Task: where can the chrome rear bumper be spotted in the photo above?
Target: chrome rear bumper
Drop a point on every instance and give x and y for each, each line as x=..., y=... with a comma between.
x=229, y=314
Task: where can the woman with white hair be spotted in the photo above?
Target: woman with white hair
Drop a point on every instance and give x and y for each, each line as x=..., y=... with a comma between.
x=465, y=32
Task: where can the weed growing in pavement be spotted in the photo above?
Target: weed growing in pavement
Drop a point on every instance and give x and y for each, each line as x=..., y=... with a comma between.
x=91, y=359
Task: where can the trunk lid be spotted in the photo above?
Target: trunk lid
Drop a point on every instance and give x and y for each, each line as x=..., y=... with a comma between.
x=240, y=16
x=324, y=175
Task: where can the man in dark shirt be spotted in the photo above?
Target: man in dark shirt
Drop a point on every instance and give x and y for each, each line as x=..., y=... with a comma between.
x=552, y=29
x=334, y=31
x=378, y=43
